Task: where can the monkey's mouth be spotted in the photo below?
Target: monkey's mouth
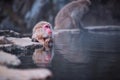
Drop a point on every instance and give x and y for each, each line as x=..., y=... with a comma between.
x=45, y=38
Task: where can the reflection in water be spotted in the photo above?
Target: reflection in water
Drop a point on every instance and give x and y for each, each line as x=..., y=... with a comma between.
x=92, y=55
x=42, y=57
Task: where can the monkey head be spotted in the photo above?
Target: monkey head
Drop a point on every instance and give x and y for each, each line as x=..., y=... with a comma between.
x=42, y=32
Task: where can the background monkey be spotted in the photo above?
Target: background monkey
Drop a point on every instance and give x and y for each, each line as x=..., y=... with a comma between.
x=69, y=17
x=42, y=32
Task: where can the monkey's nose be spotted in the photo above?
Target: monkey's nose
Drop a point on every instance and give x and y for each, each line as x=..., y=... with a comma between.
x=49, y=31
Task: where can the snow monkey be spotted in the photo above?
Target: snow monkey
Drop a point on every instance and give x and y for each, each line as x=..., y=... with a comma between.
x=69, y=17
x=42, y=32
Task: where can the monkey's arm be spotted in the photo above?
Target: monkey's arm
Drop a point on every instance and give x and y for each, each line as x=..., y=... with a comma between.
x=48, y=42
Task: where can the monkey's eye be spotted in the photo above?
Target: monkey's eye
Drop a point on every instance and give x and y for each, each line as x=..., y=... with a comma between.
x=47, y=26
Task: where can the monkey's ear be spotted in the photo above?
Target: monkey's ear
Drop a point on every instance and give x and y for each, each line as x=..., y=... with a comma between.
x=34, y=40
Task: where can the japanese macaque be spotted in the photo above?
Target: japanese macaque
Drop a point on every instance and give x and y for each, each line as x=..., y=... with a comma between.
x=42, y=32
x=69, y=17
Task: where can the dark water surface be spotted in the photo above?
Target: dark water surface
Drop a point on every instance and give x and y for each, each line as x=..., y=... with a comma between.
x=98, y=66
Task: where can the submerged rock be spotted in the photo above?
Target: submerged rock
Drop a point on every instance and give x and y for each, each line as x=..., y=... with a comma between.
x=8, y=59
x=29, y=74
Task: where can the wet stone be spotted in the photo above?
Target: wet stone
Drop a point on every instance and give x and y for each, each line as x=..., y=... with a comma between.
x=18, y=45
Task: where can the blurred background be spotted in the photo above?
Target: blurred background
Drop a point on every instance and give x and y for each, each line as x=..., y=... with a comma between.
x=22, y=15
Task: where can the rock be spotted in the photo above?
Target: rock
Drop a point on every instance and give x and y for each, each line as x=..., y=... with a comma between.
x=8, y=59
x=10, y=33
x=3, y=40
x=30, y=74
x=18, y=45
x=23, y=42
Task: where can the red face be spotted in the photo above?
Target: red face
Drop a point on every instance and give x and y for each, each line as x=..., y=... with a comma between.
x=48, y=29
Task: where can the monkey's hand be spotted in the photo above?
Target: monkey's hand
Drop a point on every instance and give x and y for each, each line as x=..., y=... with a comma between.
x=47, y=42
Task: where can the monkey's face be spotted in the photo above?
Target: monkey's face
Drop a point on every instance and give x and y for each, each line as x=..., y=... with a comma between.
x=47, y=31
